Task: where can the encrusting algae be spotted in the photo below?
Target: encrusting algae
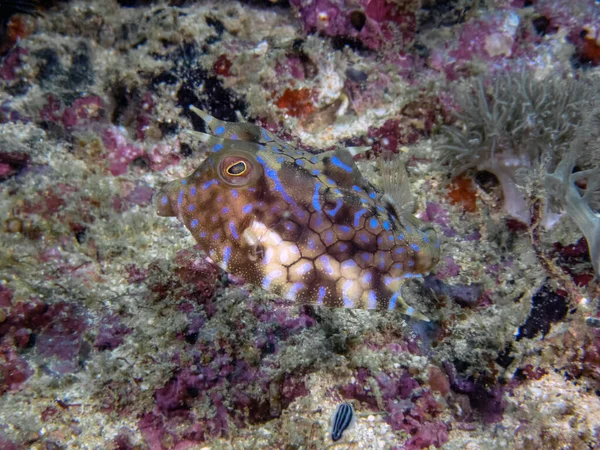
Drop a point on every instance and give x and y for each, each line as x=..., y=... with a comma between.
x=307, y=227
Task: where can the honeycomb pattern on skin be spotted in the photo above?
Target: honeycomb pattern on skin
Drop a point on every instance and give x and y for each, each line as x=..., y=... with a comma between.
x=307, y=227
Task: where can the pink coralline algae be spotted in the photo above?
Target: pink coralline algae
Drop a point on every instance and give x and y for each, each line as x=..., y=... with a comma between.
x=574, y=259
x=238, y=393
x=437, y=214
x=415, y=121
x=60, y=341
x=55, y=331
x=490, y=38
x=408, y=406
x=219, y=386
x=14, y=370
x=82, y=112
x=374, y=23
x=485, y=395
x=88, y=113
x=12, y=163
x=121, y=152
x=111, y=334
x=139, y=194
x=12, y=63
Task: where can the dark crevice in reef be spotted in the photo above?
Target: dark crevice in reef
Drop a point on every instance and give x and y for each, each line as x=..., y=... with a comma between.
x=217, y=100
x=441, y=13
x=214, y=97
x=548, y=306
x=504, y=359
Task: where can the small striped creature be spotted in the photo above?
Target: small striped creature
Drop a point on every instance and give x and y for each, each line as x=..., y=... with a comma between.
x=307, y=227
x=342, y=418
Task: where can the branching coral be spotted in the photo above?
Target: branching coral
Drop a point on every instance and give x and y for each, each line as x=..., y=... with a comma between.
x=514, y=123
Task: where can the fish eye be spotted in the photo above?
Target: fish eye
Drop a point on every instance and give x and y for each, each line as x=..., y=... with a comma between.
x=237, y=169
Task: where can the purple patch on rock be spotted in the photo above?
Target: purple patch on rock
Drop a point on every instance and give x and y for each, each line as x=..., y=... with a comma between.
x=60, y=341
x=112, y=333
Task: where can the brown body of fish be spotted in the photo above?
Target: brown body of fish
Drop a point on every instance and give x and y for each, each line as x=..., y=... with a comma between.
x=307, y=227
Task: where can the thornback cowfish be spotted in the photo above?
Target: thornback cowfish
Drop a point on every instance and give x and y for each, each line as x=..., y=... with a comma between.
x=308, y=227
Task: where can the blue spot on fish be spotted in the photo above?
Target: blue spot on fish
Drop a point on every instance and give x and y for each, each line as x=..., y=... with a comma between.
x=247, y=208
x=316, y=202
x=294, y=290
x=233, y=230
x=272, y=174
x=194, y=223
x=328, y=238
x=348, y=302
x=265, y=135
x=322, y=293
x=220, y=130
x=366, y=278
x=268, y=279
x=372, y=300
x=357, y=215
x=338, y=204
x=393, y=300
x=217, y=147
x=208, y=184
x=338, y=163
x=226, y=255
x=326, y=265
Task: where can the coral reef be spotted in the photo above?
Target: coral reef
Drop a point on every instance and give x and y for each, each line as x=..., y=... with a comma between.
x=518, y=124
x=117, y=333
